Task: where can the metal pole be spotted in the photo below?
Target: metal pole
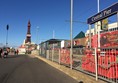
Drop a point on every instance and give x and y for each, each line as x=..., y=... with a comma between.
x=53, y=48
x=98, y=6
x=96, y=67
x=89, y=36
x=98, y=30
x=59, y=56
x=7, y=35
x=37, y=29
x=47, y=54
x=71, y=34
x=98, y=26
x=52, y=54
x=98, y=23
x=117, y=19
x=7, y=38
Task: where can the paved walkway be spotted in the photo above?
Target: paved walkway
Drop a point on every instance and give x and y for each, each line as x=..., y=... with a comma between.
x=72, y=73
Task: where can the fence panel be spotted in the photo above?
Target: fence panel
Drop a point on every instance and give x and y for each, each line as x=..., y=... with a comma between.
x=50, y=54
x=88, y=61
x=108, y=64
x=65, y=57
x=56, y=55
x=78, y=54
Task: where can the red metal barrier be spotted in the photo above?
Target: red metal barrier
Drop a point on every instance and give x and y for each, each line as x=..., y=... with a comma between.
x=65, y=56
x=88, y=62
x=107, y=63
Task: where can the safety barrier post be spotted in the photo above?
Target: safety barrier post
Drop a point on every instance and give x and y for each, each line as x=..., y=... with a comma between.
x=52, y=54
x=71, y=57
x=47, y=56
x=59, y=56
x=96, y=67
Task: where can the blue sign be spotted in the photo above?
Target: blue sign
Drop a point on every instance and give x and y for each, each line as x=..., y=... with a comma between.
x=103, y=14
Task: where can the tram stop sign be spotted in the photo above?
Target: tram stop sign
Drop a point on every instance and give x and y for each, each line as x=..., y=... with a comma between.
x=104, y=14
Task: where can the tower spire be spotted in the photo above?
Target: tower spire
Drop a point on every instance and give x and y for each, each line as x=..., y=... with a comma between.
x=28, y=36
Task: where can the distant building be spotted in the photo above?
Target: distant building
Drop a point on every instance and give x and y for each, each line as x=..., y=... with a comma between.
x=96, y=28
x=22, y=49
x=80, y=35
x=78, y=41
x=51, y=44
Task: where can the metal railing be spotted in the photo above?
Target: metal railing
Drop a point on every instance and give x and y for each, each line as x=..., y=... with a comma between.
x=101, y=63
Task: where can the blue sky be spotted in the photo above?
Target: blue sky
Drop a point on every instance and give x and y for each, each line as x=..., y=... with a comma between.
x=48, y=15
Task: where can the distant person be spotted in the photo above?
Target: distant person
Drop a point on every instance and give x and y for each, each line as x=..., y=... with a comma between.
x=14, y=52
x=17, y=52
x=0, y=52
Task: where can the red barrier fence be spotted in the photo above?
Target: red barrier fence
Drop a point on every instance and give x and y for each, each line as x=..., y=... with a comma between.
x=88, y=62
x=106, y=62
x=65, y=56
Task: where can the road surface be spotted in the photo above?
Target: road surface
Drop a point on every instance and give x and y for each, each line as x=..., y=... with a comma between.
x=25, y=69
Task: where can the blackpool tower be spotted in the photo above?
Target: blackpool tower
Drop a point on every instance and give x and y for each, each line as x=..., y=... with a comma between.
x=28, y=36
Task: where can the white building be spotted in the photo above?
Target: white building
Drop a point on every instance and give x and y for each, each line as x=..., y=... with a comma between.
x=97, y=27
x=22, y=49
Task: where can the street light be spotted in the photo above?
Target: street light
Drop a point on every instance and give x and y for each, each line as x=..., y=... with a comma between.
x=37, y=31
x=71, y=34
x=7, y=35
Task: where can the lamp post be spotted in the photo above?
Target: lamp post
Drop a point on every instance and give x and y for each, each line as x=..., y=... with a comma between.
x=7, y=35
x=37, y=31
x=71, y=34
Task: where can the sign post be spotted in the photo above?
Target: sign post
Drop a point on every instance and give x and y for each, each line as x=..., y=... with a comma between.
x=89, y=43
x=7, y=35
